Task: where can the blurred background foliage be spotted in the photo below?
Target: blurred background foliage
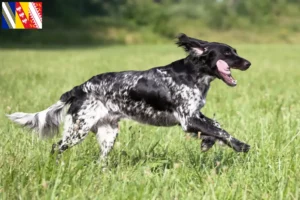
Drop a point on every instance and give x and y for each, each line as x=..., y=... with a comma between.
x=94, y=22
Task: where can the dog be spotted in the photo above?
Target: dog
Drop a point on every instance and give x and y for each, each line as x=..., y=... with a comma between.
x=162, y=96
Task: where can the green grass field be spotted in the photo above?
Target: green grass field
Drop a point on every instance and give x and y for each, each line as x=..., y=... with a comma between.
x=154, y=162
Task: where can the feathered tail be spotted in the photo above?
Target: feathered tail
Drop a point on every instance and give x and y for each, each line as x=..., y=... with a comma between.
x=44, y=123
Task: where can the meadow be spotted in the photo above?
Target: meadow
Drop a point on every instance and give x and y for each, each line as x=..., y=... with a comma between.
x=154, y=162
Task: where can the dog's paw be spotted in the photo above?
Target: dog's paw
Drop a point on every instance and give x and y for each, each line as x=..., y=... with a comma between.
x=207, y=144
x=240, y=146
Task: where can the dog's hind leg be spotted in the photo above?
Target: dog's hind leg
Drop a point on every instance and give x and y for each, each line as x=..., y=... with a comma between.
x=78, y=125
x=82, y=116
x=74, y=133
x=106, y=136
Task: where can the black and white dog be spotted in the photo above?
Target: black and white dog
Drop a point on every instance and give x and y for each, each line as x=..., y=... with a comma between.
x=161, y=96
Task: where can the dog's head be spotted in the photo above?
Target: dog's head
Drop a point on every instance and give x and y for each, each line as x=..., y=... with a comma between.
x=216, y=58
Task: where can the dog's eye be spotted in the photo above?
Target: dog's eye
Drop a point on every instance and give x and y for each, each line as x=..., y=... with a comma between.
x=227, y=53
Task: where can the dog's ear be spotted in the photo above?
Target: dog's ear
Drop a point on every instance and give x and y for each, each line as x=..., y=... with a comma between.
x=191, y=45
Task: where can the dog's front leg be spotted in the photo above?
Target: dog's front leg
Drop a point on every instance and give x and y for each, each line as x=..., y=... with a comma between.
x=200, y=123
x=207, y=141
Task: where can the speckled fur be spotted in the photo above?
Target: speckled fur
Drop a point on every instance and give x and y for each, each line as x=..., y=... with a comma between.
x=163, y=96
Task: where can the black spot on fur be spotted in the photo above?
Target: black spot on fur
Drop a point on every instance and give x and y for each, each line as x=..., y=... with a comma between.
x=69, y=96
x=153, y=94
x=64, y=147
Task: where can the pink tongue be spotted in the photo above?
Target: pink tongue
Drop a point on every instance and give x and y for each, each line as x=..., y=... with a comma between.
x=223, y=67
x=224, y=72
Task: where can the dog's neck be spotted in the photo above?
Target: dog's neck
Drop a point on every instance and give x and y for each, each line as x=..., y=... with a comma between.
x=203, y=76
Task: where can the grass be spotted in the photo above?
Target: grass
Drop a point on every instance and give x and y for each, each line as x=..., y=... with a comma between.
x=154, y=162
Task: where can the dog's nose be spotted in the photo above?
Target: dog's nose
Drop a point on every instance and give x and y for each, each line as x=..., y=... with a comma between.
x=247, y=64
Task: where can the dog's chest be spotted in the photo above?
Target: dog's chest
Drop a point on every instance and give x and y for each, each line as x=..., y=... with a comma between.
x=196, y=99
x=192, y=99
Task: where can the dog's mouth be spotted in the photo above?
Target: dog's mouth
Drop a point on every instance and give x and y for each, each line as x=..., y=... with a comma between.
x=225, y=73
